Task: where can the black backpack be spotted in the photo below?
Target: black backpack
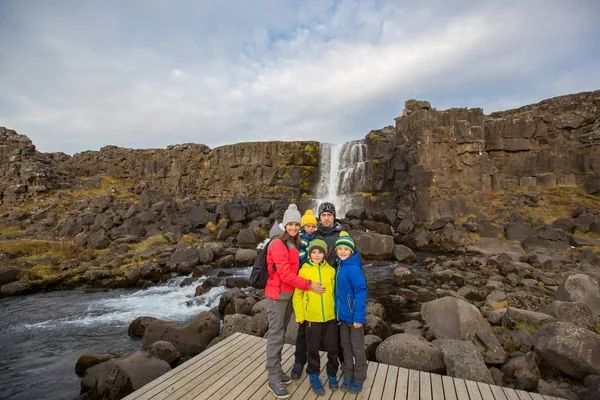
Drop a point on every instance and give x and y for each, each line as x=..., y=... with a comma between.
x=259, y=275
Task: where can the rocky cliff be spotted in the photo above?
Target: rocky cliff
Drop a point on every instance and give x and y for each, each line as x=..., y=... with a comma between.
x=432, y=161
x=25, y=172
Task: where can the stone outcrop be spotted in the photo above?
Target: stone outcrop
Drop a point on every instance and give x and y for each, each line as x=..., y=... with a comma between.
x=24, y=172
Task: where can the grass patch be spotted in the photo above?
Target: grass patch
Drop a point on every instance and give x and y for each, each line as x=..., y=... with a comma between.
x=511, y=346
x=499, y=304
x=11, y=230
x=150, y=243
x=61, y=250
x=597, y=326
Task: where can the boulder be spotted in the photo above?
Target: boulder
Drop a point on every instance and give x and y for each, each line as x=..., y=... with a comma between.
x=580, y=287
x=379, y=227
x=88, y=360
x=191, y=339
x=246, y=238
x=516, y=316
x=404, y=254
x=410, y=351
x=376, y=326
x=375, y=309
x=256, y=325
x=569, y=348
x=576, y=313
x=523, y=371
x=228, y=297
x=15, y=288
x=116, y=378
x=164, y=351
x=451, y=318
x=187, y=257
x=7, y=275
x=371, y=344
x=402, y=275
x=139, y=325
x=373, y=246
x=463, y=360
x=245, y=257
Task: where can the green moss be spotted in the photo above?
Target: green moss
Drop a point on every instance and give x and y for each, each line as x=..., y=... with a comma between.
x=524, y=325
x=150, y=243
x=597, y=326
x=511, y=346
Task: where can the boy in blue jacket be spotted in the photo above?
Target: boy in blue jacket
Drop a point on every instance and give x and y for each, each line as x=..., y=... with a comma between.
x=307, y=234
x=351, y=310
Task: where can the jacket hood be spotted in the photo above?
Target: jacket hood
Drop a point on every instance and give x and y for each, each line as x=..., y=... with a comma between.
x=276, y=229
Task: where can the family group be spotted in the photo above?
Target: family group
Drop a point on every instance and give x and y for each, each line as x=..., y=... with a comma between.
x=315, y=270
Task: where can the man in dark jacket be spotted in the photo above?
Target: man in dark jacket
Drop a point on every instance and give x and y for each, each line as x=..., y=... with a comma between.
x=328, y=229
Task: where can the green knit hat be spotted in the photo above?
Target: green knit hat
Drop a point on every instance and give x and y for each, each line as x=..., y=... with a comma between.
x=345, y=240
x=317, y=244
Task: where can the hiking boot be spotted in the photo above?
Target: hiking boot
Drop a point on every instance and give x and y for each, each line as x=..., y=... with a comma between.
x=317, y=385
x=286, y=380
x=297, y=371
x=356, y=387
x=333, y=383
x=346, y=385
x=279, y=391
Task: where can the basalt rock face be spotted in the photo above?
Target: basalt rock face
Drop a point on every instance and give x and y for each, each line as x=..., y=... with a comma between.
x=24, y=172
x=433, y=160
x=279, y=170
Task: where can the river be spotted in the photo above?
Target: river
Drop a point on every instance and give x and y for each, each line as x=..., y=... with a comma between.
x=42, y=335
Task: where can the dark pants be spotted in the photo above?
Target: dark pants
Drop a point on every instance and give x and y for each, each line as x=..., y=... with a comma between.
x=300, y=356
x=327, y=334
x=352, y=341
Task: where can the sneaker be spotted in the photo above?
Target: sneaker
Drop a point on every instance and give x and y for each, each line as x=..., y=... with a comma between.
x=297, y=371
x=317, y=385
x=356, y=387
x=333, y=383
x=279, y=391
x=286, y=380
x=346, y=385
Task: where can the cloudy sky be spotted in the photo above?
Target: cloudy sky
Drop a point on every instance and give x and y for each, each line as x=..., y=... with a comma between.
x=79, y=75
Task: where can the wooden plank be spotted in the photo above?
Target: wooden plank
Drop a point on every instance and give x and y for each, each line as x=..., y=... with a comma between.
x=523, y=395
x=473, y=390
x=413, y=385
x=437, y=389
x=378, y=382
x=402, y=384
x=461, y=389
x=425, y=385
x=175, y=374
x=257, y=369
x=261, y=381
x=218, y=386
x=195, y=369
x=449, y=390
x=191, y=386
x=536, y=396
x=498, y=393
x=486, y=392
x=511, y=394
x=389, y=390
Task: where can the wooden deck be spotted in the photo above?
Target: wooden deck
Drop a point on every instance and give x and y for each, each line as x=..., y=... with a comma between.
x=235, y=369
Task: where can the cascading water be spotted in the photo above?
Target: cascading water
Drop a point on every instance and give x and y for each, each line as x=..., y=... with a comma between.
x=343, y=171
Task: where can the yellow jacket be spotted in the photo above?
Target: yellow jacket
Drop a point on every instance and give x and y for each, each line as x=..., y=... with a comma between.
x=309, y=306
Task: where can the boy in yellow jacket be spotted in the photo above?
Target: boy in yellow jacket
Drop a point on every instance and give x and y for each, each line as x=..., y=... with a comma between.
x=319, y=313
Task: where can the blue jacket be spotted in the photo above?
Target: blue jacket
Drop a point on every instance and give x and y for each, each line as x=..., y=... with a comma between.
x=350, y=291
x=305, y=239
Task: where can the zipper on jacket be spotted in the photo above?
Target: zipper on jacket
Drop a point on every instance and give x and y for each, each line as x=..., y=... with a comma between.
x=321, y=296
x=350, y=304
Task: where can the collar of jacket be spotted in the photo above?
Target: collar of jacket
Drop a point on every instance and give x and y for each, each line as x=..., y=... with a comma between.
x=354, y=259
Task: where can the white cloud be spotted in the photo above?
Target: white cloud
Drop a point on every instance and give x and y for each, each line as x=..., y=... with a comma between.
x=150, y=75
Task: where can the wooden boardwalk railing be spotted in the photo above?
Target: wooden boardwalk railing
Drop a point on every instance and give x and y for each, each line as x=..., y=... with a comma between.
x=235, y=369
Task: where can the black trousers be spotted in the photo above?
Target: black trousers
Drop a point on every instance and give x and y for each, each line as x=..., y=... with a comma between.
x=327, y=334
x=300, y=354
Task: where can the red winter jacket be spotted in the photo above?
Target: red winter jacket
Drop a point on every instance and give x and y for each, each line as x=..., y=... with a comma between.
x=285, y=278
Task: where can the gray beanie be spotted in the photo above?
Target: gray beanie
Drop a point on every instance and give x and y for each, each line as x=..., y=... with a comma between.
x=291, y=215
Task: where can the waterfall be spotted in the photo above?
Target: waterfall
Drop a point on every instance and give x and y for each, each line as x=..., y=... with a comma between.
x=343, y=171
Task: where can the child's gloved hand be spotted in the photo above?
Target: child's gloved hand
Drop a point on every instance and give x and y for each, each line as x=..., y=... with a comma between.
x=357, y=325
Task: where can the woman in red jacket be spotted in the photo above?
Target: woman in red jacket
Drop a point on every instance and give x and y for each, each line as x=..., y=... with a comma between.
x=283, y=254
